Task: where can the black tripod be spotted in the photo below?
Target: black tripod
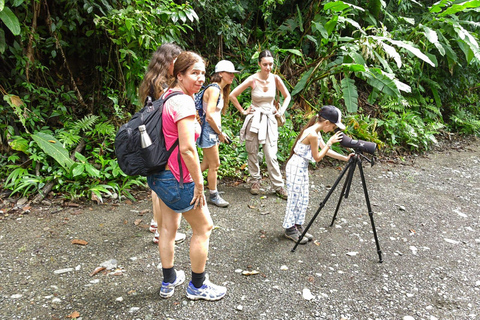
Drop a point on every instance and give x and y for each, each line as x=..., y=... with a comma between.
x=354, y=161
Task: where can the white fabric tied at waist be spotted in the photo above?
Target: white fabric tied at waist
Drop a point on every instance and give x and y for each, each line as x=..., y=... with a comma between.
x=263, y=124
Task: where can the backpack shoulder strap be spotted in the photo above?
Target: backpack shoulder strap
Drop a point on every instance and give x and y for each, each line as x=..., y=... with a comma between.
x=175, y=144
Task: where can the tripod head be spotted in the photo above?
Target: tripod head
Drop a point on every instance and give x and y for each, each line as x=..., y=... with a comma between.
x=360, y=155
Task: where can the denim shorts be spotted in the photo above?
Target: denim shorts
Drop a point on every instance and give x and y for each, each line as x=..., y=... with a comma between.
x=208, y=138
x=168, y=189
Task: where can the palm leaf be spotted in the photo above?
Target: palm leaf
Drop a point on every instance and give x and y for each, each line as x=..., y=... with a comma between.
x=350, y=94
x=408, y=47
x=302, y=83
x=381, y=82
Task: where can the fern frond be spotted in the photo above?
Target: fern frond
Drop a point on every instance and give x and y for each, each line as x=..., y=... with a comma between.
x=85, y=124
x=104, y=129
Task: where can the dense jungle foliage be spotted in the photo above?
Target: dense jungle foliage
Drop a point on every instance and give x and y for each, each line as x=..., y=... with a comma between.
x=404, y=72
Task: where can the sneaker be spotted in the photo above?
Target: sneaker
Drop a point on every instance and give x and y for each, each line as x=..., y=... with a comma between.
x=255, y=187
x=179, y=237
x=153, y=226
x=300, y=231
x=167, y=289
x=215, y=199
x=281, y=193
x=293, y=234
x=208, y=291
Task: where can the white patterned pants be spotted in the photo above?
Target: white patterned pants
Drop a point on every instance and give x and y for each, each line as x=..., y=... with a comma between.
x=297, y=188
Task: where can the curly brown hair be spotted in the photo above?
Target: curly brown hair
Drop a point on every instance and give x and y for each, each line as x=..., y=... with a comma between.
x=156, y=77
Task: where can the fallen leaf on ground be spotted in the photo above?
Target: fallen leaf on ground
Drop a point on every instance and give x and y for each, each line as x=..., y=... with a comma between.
x=251, y=207
x=95, y=198
x=137, y=222
x=316, y=242
x=71, y=204
x=74, y=315
x=250, y=273
x=117, y=272
x=97, y=270
x=80, y=242
x=141, y=213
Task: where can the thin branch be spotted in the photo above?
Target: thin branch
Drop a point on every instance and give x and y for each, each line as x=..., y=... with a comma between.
x=59, y=46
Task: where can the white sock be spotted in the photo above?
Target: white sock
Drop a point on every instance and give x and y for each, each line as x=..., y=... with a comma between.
x=213, y=191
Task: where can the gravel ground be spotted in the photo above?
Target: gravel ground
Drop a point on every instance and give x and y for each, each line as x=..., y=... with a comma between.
x=426, y=212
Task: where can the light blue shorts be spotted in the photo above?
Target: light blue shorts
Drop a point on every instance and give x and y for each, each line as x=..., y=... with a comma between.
x=208, y=138
x=168, y=189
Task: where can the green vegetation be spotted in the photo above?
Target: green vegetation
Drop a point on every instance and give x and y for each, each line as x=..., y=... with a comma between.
x=402, y=71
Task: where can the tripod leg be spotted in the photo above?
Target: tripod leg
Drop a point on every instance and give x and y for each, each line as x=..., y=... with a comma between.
x=322, y=204
x=345, y=189
x=370, y=212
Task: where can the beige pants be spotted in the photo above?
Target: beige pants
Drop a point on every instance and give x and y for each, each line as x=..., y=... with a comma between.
x=270, y=150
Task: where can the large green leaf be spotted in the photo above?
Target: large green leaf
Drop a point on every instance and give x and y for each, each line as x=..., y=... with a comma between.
x=437, y=7
x=350, y=94
x=469, y=40
x=460, y=7
x=432, y=36
x=377, y=79
x=391, y=52
x=353, y=23
x=354, y=67
x=2, y=41
x=10, y=20
x=302, y=83
x=330, y=25
x=336, y=6
x=408, y=47
x=51, y=146
x=19, y=144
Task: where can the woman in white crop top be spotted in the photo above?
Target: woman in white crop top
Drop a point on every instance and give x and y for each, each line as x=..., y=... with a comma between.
x=215, y=103
x=260, y=126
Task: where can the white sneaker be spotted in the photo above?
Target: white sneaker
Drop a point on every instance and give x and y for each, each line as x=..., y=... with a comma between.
x=153, y=226
x=179, y=237
x=155, y=237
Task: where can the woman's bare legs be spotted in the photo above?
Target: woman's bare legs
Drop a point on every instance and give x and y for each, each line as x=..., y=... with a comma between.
x=201, y=223
x=167, y=227
x=157, y=217
x=211, y=161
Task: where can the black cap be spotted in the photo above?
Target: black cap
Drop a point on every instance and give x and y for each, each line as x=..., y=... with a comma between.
x=332, y=114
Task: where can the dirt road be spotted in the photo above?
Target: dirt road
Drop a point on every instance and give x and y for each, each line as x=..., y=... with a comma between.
x=426, y=213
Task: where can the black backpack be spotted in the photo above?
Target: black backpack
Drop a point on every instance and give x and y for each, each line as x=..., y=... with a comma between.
x=132, y=158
